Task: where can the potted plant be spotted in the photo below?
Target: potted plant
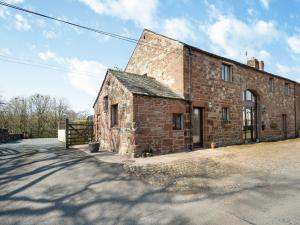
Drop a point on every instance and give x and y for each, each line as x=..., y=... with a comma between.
x=213, y=145
x=94, y=146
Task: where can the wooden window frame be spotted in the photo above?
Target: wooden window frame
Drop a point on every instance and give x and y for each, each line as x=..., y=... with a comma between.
x=105, y=103
x=225, y=114
x=271, y=84
x=287, y=89
x=175, y=123
x=114, y=115
x=225, y=66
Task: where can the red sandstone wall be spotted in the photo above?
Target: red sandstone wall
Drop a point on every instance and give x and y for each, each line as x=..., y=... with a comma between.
x=298, y=107
x=207, y=86
x=120, y=138
x=153, y=120
x=162, y=59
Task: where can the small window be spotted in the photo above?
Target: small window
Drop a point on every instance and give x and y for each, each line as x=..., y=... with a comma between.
x=287, y=89
x=225, y=114
x=114, y=115
x=271, y=84
x=177, y=122
x=105, y=104
x=226, y=72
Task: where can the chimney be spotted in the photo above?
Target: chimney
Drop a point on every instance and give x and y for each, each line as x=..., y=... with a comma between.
x=261, y=65
x=253, y=62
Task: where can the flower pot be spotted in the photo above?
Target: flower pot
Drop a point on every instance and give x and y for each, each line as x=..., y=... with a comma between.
x=213, y=145
x=94, y=147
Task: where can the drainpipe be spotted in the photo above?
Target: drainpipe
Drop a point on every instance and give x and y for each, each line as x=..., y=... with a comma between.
x=190, y=98
x=295, y=111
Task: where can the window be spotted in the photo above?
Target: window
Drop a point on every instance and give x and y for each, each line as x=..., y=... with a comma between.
x=226, y=72
x=177, y=122
x=105, y=104
x=287, y=89
x=248, y=96
x=114, y=115
x=271, y=84
x=225, y=114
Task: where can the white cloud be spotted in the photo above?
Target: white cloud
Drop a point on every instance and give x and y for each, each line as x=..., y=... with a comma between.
x=265, y=3
x=285, y=70
x=86, y=75
x=14, y=1
x=5, y=51
x=49, y=34
x=232, y=37
x=294, y=43
x=21, y=23
x=48, y=55
x=264, y=55
x=140, y=12
x=178, y=28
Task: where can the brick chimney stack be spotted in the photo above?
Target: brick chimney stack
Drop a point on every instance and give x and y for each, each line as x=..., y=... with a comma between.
x=259, y=65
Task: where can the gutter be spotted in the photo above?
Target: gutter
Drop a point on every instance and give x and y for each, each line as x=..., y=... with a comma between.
x=190, y=98
x=295, y=111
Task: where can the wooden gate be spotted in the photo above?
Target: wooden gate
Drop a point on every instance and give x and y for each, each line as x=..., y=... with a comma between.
x=78, y=132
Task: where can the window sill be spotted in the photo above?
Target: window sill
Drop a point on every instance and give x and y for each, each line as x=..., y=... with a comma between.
x=178, y=129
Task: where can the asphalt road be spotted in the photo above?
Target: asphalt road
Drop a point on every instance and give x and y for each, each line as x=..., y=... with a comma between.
x=42, y=183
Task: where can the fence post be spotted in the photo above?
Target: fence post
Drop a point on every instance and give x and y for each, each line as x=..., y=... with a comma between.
x=67, y=133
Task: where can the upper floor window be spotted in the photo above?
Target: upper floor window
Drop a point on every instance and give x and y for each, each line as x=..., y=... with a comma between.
x=226, y=72
x=287, y=89
x=271, y=84
x=105, y=104
x=114, y=115
x=225, y=114
x=177, y=121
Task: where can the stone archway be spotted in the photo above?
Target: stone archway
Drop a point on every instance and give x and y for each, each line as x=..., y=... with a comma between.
x=250, y=116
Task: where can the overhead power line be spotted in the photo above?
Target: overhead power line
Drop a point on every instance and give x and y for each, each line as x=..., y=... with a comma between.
x=47, y=66
x=69, y=23
x=57, y=68
x=113, y=35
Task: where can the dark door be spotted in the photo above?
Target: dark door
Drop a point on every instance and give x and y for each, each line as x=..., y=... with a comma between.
x=249, y=120
x=284, y=126
x=198, y=127
x=249, y=116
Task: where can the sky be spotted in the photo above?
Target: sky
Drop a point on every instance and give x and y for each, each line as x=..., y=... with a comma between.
x=38, y=55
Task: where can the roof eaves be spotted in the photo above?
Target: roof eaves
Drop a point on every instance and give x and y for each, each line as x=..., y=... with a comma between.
x=237, y=63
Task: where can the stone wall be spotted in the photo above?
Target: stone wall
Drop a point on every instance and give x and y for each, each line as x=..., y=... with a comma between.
x=162, y=59
x=119, y=138
x=208, y=87
x=153, y=120
x=6, y=137
x=298, y=108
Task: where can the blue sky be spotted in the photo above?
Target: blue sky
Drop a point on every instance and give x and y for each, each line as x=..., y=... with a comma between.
x=67, y=62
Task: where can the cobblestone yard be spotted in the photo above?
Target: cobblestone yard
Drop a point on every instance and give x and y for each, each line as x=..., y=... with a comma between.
x=223, y=169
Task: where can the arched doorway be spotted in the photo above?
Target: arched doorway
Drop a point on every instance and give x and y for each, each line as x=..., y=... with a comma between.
x=249, y=116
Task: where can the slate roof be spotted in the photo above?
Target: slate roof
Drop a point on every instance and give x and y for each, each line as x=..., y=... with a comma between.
x=144, y=85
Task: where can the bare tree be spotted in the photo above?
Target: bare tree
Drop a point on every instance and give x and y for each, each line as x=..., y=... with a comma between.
x=37, y=115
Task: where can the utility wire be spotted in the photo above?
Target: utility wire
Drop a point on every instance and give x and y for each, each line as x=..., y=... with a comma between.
x=43, y=65
x=57, y=69
x=120, y=37
x=69, y=23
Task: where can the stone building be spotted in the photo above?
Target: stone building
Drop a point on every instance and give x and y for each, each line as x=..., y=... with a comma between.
x=175, y=97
